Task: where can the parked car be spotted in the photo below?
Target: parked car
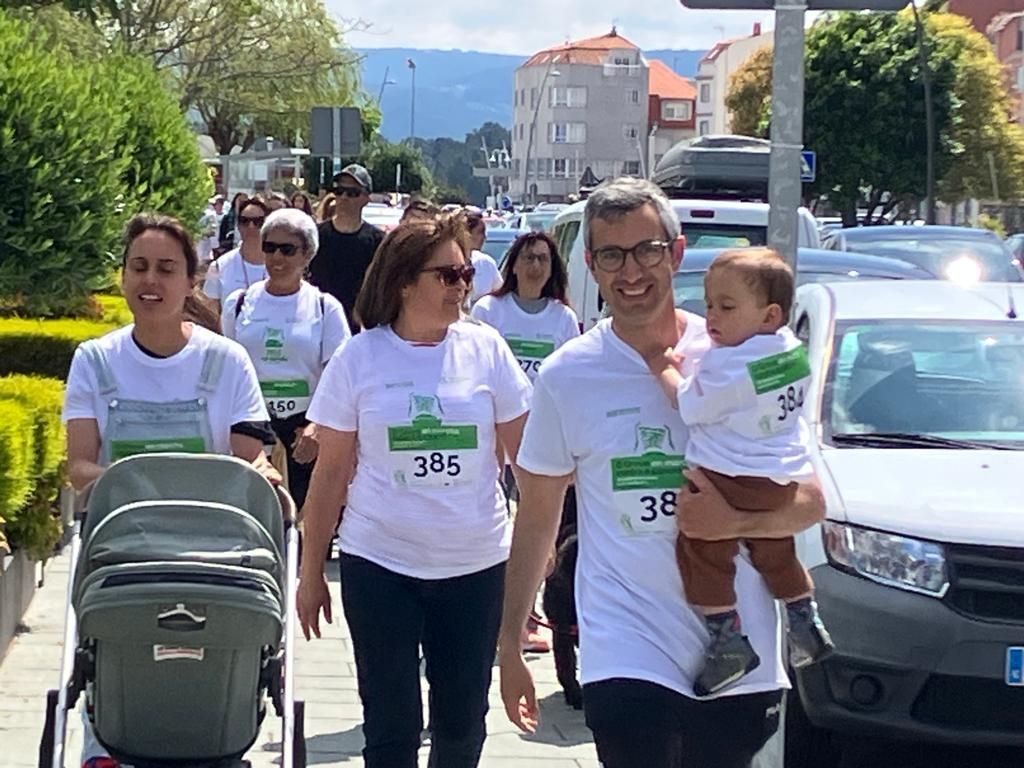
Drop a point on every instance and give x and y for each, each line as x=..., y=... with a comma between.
x=1016, y=245
x=706, y=224
x=916, y=405
x=813, y=266
x=384, y=217
x=498, y=243
x=538, y=220
x=954, y=253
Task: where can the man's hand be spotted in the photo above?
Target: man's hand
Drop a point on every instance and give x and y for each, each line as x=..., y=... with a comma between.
x=705, y=514
x=517, y=690
x=306, y=446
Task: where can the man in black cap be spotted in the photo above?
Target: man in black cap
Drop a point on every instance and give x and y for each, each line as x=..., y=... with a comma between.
x=347, y=243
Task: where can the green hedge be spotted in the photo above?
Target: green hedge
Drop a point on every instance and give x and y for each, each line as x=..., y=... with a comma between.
x=31, y=471
x=44, y=347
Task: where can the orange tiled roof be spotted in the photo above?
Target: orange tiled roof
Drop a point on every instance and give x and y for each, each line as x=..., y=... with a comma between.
x=589, y=51
x=666, y=84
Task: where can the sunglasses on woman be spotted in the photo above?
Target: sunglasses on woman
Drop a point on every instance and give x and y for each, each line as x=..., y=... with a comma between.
x=254, y=221
x=450, y=275
x=286, y=249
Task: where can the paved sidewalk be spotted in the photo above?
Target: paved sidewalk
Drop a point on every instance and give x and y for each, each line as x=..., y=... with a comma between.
x=325, y=678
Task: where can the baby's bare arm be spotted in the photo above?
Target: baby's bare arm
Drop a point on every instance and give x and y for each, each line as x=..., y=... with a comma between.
x=665, y=368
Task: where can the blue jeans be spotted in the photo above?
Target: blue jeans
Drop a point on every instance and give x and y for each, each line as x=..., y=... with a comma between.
x=456, y=621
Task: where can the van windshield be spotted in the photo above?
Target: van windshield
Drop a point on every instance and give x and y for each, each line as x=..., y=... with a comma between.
x=707, y=235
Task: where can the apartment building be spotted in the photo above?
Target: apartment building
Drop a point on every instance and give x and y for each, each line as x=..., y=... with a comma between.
x=578, y=106
x=713, y=73
x=1006, y=33
x=672, y=113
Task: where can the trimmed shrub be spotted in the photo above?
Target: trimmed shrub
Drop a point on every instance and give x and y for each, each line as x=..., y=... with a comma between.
x=44, y=347
x=42, y=399
x=16, y=476
x=61, y=171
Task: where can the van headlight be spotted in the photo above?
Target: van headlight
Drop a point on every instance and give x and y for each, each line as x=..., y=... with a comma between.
x=890, y=559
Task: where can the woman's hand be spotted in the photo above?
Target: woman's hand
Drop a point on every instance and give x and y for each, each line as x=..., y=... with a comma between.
x=306, y=445
x=262, y=465
x=313, y=597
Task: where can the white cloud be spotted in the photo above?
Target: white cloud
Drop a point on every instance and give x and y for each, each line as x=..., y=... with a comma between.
x=526, y=26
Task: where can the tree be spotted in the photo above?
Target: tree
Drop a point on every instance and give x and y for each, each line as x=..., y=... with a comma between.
x=61, y=173
x=749, y=95
x=864, y=110
x=382, y=159
x=452, y=161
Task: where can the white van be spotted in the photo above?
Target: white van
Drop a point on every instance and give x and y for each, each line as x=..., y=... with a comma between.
x=705, y=223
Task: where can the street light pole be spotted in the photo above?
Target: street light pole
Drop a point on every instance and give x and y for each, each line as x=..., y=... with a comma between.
x=929, y=117
x=385, y=82
x=787, y=129
x=533, y=124
x=412, y=106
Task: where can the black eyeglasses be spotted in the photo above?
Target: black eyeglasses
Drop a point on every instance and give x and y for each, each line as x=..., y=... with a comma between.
x=647, y=253
x=349, y=191
x=451, y=275
x=255, y=221
x=286, y=249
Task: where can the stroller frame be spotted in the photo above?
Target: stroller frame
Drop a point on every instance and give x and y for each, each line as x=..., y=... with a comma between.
x=278, y=677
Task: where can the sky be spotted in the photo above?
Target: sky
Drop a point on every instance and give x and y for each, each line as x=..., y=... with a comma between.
x=525, y=26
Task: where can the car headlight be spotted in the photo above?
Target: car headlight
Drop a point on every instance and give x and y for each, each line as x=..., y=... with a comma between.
x=897, y=561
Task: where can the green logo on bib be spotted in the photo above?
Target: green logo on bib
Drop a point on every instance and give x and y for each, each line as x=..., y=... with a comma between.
x=273, y=345
x=779, y=370
x=656, y=467
x=427, y=433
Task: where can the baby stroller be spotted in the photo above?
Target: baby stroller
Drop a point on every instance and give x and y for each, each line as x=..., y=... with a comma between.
x=180, y=616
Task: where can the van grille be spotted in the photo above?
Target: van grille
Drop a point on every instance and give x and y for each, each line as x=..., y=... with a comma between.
x=987, y=582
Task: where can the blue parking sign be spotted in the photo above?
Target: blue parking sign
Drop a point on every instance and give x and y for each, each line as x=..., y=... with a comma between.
x=1015, y=666
x=808, y=166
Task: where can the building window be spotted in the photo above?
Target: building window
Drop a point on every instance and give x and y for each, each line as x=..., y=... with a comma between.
x=633, y=96
x=704, y=128
x=676, y=110
x=623, y=61
x=561, y=168
x=631, y=168
x=568, y=133
x=630, y=132
x=568, y=96
x=533, y=98
x=705, y=93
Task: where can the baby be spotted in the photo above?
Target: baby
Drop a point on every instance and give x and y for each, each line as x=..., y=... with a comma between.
x=743, y=408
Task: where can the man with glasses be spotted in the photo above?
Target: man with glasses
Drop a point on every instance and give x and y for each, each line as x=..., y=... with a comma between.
x=599, y=415
x=347, y=243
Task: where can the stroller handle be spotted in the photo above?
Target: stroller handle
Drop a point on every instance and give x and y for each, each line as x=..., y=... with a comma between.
x=288, y=509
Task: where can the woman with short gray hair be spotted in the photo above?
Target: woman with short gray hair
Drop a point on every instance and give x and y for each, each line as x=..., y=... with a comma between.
x=290, y=330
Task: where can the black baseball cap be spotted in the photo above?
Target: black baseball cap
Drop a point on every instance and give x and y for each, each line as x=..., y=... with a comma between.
x=358, y=174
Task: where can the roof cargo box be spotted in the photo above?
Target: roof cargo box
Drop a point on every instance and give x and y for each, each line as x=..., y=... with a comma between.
x=716, y=167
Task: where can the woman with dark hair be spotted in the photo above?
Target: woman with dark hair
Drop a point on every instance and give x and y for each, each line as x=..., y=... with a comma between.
x=161, y=383
x=228, y=234
x=412, y=412
x=530, y=309
x=244, y=265
x=301, y=201
x=275, y=201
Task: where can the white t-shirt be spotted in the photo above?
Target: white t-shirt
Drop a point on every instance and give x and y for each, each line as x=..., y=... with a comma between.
x=208, y=238
x=487, y=277
x=597, y=411
x=170, y=379
x=744, y=407
x=231, y=272
x=289, y=339
x=532, y=337
x=425, y=499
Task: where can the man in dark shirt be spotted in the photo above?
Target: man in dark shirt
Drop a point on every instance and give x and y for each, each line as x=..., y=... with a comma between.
x=347, y=243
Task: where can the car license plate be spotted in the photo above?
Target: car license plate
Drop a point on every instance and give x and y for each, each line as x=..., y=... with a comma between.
x=1015, y=666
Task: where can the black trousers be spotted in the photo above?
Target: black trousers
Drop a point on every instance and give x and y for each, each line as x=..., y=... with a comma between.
x=298, y=474
x=456, y=621
x=638, y=723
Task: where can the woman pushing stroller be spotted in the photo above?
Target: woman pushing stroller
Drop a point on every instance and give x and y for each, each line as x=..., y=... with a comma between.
x=162, y=383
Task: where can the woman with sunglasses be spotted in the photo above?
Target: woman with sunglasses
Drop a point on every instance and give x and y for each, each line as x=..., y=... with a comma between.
x=228, y=234
x=290, y=330
x=531, y=311
x=412, y=411
x=243, y=266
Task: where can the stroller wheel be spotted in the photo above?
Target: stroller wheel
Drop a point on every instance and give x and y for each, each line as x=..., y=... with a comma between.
x=299, y=744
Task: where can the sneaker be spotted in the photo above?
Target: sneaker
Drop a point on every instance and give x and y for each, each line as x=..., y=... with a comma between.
x=729, y=658
x=809, y=641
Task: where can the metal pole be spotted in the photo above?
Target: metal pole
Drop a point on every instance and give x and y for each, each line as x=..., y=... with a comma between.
x=412, y=111
x=787, y=128
x=929, y=117
x=383, y=83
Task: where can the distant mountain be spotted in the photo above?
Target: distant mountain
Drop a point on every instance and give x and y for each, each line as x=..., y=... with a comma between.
x=458, y=91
